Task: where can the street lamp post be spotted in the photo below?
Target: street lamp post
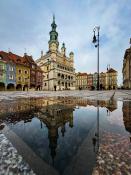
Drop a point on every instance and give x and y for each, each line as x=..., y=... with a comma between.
x=96, y=42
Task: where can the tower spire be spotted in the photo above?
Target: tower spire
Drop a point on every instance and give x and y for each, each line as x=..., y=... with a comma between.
x=53, y=18
x=53, y=34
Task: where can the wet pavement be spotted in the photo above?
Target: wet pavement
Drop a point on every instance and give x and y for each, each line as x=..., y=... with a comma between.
x=96, y=95
x=66, y=135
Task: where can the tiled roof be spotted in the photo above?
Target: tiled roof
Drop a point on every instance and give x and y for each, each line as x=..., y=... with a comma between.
x=29, y=59
x=15, y=58
x=111, y=70
x=5, y=57
x=81, y=74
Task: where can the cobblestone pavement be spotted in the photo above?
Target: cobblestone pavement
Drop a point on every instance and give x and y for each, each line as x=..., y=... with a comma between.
x=11, y=163
x=114, y=155
x=109, y=161
x=97, y=95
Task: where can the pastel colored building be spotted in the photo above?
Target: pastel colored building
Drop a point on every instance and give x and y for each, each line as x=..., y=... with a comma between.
x=39, y=78
x=95, y=80
x=90, y=81
x=102, y=79
x=19, y=73
x=36, y=74
x=22, y=71
x=11, y=75
x=10, y=71
x=81, y=81
x=111, y=79
x=2, y=73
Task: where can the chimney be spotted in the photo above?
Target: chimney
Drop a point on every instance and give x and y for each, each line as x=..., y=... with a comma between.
x=8, y=50
x=107, y=67
x=25, y=54
x=42, y=53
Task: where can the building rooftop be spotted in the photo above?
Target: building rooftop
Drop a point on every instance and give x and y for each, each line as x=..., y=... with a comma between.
x=81, y=74
x=9, y=56
x=111, y=70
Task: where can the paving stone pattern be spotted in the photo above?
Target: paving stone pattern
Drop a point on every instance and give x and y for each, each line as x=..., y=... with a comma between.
x=97, y=95
x=114, y=157
x=11, y=163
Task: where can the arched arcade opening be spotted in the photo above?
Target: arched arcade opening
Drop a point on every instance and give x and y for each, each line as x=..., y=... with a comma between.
x=11, y=87
x=2, y=86
x=19, y=87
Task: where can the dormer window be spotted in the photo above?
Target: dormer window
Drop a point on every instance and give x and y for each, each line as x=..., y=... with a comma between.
x=18, y=60
x=0, y=57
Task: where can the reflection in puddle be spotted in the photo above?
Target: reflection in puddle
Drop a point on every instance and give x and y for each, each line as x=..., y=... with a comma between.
x=65, y=132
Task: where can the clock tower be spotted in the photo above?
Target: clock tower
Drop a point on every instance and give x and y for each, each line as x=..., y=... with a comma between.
x=53, y=42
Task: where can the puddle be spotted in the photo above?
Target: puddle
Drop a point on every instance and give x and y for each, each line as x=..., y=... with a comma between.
x=63, y=135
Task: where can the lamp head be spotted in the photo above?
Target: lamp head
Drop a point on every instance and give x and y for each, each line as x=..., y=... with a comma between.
x=94, y=38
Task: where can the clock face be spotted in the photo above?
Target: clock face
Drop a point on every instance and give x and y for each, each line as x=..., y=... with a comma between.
x=53, y=46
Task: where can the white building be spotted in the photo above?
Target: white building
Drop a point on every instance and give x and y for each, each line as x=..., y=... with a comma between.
x=59, y=72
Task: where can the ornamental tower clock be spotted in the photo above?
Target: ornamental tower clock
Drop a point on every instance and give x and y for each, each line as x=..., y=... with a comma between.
x=53, y=42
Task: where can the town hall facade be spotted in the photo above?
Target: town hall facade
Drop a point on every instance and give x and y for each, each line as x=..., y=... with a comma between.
x=58, y=69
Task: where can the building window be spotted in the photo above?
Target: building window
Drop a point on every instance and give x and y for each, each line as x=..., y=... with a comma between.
x=47, y=67
x=47, y=76
x=11, y=77
x=11, y=68
x=26, y=72
x=19, y=78
x=45, y=84
x=19, y=71
x=1, y=67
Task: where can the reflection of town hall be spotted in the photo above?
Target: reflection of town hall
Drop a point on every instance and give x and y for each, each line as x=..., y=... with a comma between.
x=59, y=72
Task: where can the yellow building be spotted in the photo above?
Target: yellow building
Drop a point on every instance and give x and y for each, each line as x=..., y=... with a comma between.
x=81, y=81
x=111, y=79
x=127, y=69
x=22, y=77
x=102, y=79
x=22, y=72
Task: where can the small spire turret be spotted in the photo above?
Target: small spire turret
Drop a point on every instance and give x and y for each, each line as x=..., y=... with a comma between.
x=63, y=49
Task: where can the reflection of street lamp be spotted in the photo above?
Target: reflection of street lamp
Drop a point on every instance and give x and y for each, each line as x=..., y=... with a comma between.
x=97, y=134
x=96, y=42
x=95, y=139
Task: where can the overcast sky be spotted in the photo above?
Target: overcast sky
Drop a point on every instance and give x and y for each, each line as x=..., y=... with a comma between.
x=26, y=24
